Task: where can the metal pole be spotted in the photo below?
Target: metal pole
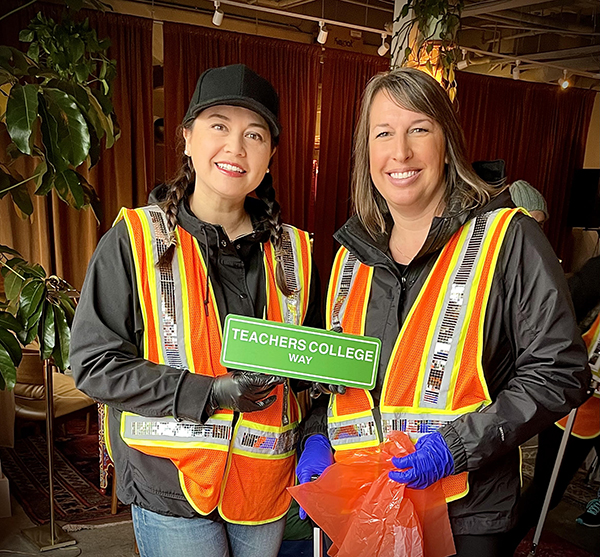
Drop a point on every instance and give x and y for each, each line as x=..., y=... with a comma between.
x=50, y=536
x=559, y=458
x=317, y=542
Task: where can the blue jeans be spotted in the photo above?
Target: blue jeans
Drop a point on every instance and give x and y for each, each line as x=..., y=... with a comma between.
x=169, y=536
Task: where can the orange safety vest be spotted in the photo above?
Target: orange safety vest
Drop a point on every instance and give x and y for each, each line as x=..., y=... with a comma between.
x=435, y=373
x=587, y=420
x=243, y=470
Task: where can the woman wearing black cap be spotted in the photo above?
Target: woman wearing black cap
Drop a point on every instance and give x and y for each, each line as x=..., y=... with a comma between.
x=202, y=453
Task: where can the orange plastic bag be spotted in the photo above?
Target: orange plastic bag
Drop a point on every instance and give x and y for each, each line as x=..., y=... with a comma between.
x=368, y=515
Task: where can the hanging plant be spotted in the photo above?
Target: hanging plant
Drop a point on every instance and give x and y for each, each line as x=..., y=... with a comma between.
x=430, y=30
x=57, y=109
x=37, y=307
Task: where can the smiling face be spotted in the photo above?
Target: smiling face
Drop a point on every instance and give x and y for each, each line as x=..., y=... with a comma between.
x=230, y=148
x=406, y=157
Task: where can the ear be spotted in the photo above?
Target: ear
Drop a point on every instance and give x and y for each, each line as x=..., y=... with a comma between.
x=273, y=151
x=187, y=132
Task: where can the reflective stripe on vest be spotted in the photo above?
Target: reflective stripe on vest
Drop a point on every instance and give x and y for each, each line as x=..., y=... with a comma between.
x=587, y=421
x=244, y=471
x=438, y=349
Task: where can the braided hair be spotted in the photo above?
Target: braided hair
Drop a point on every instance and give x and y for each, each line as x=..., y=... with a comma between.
x=176, y=189
x=266, y=193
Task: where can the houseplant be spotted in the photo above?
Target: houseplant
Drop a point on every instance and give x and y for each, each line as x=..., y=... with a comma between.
x=429, y=31
x=55, y=106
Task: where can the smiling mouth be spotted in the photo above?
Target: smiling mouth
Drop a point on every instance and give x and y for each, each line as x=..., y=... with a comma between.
x=230, y=167
x=403, y=175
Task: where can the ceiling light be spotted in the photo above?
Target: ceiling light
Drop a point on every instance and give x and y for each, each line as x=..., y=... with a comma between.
x=218, y=15
x=564, y=81
x=322, y=36
x=516, y=72
x=383, y=49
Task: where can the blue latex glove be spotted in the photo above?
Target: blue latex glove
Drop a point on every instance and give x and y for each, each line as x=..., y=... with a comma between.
x=316, y=456
x=430, y=462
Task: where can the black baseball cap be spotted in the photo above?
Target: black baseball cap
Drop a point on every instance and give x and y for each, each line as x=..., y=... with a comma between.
x=236, y=85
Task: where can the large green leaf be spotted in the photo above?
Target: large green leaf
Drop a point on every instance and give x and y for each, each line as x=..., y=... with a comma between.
x=22, y=199
x=6, y=183
x=50, y=137
x=8, y=371
x=12, y=285
x=8, y=321
x=11, y=345
x=34, y=322
x=46, y=183
x=21, y=113
x=74, y=140
x=47, y=333
x=29, y=302
x=69, y=189
x=63, y=338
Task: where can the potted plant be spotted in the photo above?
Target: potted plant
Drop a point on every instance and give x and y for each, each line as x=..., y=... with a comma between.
x=55, y=105
x=429, y=29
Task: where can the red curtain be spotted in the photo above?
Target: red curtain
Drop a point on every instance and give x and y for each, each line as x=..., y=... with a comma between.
x=344, y=78
x=292, y=68
x=539, y=130
x=63, y=239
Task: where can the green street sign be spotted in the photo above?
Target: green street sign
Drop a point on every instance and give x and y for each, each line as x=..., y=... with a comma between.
x=300, y=352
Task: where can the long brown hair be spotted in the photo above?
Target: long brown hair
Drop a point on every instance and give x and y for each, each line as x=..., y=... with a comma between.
x=186, y=177
x=417, y=91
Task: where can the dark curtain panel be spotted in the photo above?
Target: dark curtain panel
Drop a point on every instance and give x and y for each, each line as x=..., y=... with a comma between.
x=292, y=68
x=539, y=130
x=59, y=237
x=344, y=78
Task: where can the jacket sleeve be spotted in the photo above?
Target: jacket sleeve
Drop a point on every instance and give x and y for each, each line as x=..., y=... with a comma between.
x=106, y=341
x=540, y=372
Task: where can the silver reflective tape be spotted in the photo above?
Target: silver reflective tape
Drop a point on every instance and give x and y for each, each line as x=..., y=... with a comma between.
x=265, y=442
x=352, y=431
x=350, y=267
x=167, y=429
x=442, y=353
x=413, y=425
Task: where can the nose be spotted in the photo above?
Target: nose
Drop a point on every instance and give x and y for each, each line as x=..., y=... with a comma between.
x=403, y=150
x=235, y=144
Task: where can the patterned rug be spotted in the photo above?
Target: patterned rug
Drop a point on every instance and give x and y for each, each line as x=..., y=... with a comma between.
x=77, y=494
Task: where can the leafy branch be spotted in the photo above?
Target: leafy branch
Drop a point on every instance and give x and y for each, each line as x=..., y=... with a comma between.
x=37, y=307
x=58, y=110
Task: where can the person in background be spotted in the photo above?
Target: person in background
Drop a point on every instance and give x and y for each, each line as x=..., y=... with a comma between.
x=480, y=349
x=203, y=454
x=525, y=195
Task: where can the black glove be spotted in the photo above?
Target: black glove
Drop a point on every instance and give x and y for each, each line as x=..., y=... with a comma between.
x=317, y=389
x=242, y=391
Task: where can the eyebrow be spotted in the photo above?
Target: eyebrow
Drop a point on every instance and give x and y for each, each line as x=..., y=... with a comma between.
x=413, y=123
x=223, y=117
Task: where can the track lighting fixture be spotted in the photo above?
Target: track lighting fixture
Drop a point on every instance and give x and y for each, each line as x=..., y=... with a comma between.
x=464, y=63
x=564, y=80
x=383, y=49
x=516, y=72
x=322, y=36
x=218, y=15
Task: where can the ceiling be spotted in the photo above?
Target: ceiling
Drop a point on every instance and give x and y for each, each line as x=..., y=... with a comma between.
x=544, y=38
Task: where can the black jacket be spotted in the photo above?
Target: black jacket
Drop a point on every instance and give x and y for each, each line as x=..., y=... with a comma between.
x=534, y=360
x=106, y=346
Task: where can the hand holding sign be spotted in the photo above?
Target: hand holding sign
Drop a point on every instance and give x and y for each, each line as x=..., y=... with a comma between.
x=242, y=391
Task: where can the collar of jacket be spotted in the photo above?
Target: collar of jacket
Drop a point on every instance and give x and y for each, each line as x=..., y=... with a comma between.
x=369, y=251
x=202, y=229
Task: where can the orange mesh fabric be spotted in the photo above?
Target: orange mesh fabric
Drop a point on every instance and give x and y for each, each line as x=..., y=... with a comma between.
x=411, y=350
x=150, y=335
x=200, y=323
x=355, y=400
x=455, y=485
x=256, y=489
x=352, y=321
x=469, y=389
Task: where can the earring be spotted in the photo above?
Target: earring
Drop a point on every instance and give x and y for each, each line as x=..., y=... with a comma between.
x=185, y=152
x=268, y=170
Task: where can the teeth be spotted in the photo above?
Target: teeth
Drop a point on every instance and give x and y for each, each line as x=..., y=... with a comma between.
x=402, y=175
x=230, y=167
